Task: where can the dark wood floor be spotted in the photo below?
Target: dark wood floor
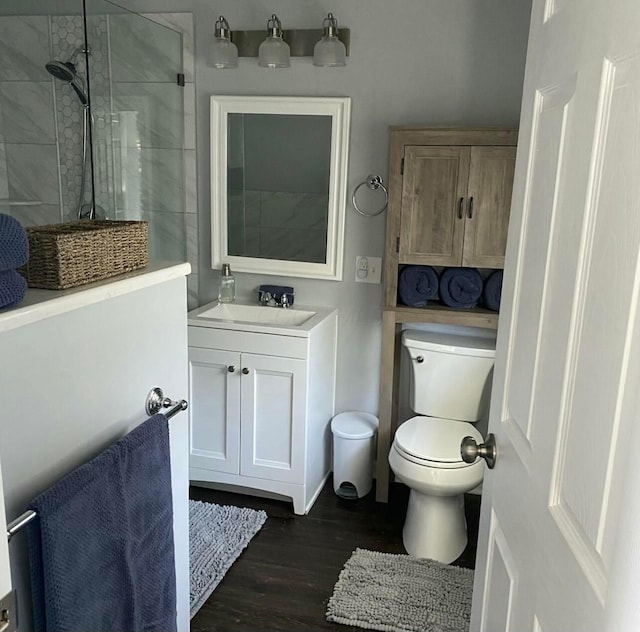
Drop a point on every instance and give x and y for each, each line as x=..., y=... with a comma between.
x=284, y=578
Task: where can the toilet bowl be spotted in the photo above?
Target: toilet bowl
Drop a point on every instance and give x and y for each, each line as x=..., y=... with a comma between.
x=451, y=376
x=435, y=526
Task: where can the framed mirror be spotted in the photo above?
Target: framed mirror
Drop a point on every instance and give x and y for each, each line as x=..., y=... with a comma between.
x=278, y=184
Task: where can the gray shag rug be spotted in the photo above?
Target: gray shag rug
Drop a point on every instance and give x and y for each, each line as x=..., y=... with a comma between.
x=399, y=593
x=217, y=536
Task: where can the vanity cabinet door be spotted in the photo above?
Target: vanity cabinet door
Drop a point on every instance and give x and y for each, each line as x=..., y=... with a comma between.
x=273, y=418
x=434, y=191
x=488, y=206
x=214, y=411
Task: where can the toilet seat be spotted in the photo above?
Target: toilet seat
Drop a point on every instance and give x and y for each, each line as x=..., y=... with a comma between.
x=434, y=442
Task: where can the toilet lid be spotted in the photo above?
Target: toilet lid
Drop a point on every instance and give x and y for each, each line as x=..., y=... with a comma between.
x=434, y=439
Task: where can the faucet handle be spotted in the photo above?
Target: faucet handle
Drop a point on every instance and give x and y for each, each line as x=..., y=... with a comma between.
x=284, y=301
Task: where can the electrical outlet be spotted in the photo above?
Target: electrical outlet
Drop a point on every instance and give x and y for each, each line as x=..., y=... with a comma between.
x=368, y=269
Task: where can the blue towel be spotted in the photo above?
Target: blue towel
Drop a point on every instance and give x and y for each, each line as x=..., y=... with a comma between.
x=460, y=288
x=14, y=243
x=101, y=551
x=493, y=291
x=417, y=285
x=13, y=287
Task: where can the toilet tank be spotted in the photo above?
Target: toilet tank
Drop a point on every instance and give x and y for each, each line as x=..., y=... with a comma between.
x=450, y=373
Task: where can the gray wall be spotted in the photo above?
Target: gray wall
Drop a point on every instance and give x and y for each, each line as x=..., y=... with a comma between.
x=412, y=62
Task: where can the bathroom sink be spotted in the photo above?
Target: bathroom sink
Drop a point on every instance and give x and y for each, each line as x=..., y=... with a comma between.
x=256, y=314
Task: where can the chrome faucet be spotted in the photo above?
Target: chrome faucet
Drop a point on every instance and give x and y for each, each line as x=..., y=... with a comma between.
x=268, y=299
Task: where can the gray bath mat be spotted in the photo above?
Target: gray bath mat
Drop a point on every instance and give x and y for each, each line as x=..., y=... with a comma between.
x=399, y=593
x=217, y=536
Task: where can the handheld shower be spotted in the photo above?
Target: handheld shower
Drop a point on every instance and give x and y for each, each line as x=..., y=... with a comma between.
x=66, y=71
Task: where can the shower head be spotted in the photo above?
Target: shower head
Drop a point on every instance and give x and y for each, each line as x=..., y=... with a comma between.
x=66, y=71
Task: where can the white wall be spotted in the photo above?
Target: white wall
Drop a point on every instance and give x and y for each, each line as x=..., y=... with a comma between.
x=75, y=383
x=412, y=62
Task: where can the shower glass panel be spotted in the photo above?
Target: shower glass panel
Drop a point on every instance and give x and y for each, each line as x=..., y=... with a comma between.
x=138, y=127
x=38, y=112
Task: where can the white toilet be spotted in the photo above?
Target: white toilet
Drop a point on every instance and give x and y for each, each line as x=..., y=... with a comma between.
x=450, y=386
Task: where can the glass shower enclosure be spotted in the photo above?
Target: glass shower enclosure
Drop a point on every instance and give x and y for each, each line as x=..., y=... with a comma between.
x=92, y=117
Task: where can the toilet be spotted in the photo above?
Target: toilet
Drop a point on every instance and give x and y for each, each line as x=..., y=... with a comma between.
x=450, y=386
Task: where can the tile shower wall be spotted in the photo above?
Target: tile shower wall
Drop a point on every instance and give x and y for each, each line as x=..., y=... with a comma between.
x=154, y=133
x=29, y=174
x=144, y=125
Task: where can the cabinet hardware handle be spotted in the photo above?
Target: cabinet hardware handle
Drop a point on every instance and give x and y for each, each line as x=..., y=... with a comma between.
x=245, y=371
x=460, y=205
x=470, y=213
x=419, y=359
x=231, y=369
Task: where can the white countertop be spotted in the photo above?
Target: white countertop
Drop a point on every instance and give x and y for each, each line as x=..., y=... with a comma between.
x=41, y=304
x=197, y=319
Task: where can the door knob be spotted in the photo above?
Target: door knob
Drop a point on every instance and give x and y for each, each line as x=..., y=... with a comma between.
x=245, y=371
x=470, y=450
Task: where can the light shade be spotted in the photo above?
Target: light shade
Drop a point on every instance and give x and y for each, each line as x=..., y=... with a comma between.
x=274, y=51
x=224, y=53
x=330, y=51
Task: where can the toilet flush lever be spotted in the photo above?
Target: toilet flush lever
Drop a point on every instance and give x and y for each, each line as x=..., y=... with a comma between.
x=470, y=450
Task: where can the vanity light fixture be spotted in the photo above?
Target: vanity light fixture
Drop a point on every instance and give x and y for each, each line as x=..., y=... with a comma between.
x=224, y=53
x=330, y=51
x=274, y=51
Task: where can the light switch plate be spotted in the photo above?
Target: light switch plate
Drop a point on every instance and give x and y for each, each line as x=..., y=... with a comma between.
x=368, y=269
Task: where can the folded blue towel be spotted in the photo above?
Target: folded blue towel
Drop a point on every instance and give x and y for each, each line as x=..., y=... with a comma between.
x=493, y=291
x=417, y=285
x=13, y=287
x=101, y=551
x=14, y=243
x=460, y=288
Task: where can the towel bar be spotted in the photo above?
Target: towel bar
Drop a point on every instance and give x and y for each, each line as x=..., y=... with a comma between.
x=153, y=404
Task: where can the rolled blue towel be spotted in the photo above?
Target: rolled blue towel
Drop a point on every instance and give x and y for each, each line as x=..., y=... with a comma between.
x=13, y=287
x=417, y=285
x=460, y=288
x=14, y=244
x=493, y=291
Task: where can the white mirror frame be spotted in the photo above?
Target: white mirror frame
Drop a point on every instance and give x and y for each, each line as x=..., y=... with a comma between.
x=339, y=108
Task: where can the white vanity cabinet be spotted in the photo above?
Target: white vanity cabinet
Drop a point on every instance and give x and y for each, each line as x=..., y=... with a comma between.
x=262, y=398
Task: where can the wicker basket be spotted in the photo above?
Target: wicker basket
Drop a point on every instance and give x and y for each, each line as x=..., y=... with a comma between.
x=71, y=254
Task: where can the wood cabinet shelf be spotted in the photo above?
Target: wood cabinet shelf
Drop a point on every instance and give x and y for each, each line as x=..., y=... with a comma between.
x=439, y=313
x=449, y=203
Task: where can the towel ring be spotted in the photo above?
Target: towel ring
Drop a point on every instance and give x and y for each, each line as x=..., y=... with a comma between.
x=374, y=183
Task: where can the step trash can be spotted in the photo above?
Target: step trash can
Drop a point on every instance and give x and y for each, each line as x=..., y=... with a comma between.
x=354, y=441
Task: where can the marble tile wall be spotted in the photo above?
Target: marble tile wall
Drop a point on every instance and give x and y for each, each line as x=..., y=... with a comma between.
x=144, y=125
x=29, y=175
x=153, y=127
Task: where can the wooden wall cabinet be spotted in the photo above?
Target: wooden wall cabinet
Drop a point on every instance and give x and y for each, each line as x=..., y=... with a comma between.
x=455, y=205
x=449, y=203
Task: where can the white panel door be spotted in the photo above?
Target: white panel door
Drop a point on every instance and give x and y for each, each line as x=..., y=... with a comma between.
x=559, y=546
x=273, y=418
x=5, y=571
x=214, y=393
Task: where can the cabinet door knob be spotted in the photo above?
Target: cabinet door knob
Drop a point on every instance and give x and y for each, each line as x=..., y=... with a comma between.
x=231, y=369
x=245, y=371
x=470, y=213
x=460, y=206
